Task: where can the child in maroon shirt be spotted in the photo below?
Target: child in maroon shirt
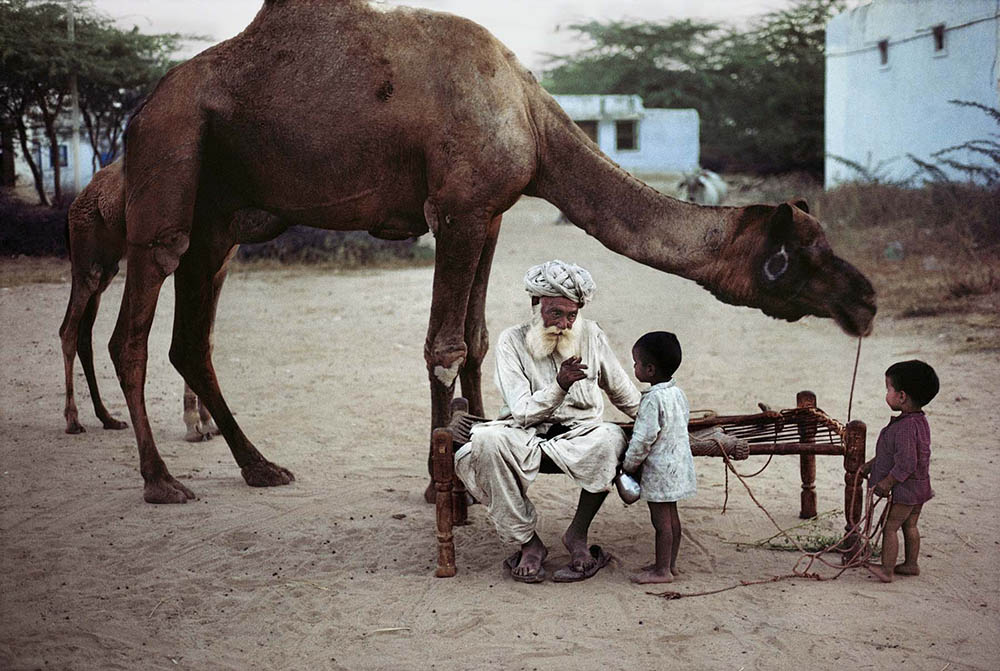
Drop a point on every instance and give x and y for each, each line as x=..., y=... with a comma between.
x=902, y=464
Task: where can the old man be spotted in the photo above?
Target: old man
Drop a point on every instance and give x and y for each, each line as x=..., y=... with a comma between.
x=551, y=371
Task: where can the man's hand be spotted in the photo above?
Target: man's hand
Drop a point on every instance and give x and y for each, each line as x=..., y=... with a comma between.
x=570, y=371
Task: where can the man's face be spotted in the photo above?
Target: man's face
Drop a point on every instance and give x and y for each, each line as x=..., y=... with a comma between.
x=559, y=312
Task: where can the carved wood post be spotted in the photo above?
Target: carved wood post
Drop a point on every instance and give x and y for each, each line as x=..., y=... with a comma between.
x=459, y=497
x=854, y=459
x=443, y=463
x=807, y=462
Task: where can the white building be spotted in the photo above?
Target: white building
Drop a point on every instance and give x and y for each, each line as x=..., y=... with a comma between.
x=42, y=155
x=891, y=68
x=641, y=140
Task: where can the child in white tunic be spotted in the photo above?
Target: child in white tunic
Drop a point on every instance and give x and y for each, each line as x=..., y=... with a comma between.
x=660, y=447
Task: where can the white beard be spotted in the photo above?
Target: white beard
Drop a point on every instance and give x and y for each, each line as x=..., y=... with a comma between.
x=542, y=340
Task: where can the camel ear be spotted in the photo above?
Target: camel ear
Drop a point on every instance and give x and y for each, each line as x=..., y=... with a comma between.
x=782, y=223
x=802, y=205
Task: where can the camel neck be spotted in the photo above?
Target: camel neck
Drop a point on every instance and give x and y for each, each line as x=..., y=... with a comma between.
x=626, y=215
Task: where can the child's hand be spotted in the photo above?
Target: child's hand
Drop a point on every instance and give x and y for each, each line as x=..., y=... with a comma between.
x=884, y=487
x=866, y=470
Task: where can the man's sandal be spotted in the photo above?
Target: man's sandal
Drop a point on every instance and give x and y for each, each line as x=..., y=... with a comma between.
x=511, y=562
x=570, y=574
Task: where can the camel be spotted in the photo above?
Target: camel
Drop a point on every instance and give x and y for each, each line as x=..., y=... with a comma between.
x=341, y=115
x=703, y=187
x=96, y=246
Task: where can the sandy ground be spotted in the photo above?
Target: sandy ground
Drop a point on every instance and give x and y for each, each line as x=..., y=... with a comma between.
x=325, y=372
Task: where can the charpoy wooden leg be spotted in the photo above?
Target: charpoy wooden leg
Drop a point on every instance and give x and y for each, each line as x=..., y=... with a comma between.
x=807, y=462
x=443, y=471
x=854, y=459
x=459, y=495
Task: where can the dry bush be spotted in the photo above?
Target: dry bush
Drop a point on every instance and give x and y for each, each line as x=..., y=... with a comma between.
x=929, y=251
x=346, y=249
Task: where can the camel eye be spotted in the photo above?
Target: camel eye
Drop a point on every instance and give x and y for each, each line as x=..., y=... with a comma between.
x=776, y=265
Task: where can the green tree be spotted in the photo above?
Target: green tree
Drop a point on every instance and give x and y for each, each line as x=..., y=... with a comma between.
x=114, y=69
x=758, y=90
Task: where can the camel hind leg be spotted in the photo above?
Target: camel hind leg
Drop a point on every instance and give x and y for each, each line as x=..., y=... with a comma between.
x=76, y=334
x=198, y=281
x=81, y=293
x=85, y=348
x=197, y=418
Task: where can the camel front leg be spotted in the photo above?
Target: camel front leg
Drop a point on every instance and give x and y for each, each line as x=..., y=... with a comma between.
x=460, y=245
x=198, y=281
x=477, y=338
x=148, y=266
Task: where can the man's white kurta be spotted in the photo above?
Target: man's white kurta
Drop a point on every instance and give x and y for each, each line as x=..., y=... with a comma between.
x=504, y=456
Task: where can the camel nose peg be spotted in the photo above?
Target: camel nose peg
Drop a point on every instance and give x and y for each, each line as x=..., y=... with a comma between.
x=780, y=259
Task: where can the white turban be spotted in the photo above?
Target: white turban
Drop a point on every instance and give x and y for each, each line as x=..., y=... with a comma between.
x=558, y=279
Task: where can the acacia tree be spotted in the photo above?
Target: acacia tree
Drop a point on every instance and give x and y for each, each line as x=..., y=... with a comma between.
x=33, y=57
x=758, y=90
x=114, y=68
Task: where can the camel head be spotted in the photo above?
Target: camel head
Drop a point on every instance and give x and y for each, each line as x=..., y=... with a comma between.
x=792, y=270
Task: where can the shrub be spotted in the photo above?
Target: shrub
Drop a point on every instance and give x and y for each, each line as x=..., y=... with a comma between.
x=32, y=230
x=301, y=244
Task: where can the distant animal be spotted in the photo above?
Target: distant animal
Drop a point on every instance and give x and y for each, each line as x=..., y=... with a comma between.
x=96, y=245
x=703, y=187
x=348, y=116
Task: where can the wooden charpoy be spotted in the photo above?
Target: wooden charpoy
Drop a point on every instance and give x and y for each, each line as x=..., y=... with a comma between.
x=804, y=430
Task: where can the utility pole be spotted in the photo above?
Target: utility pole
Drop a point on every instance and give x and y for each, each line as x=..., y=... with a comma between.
x=74, y=101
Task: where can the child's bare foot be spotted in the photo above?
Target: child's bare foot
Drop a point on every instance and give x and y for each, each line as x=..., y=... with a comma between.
x=879, y=572
x=907, y=569
x=650, y=575
x=652, y=567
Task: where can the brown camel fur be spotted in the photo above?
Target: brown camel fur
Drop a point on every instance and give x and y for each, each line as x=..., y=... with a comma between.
x=96, y=245
x=335, y=114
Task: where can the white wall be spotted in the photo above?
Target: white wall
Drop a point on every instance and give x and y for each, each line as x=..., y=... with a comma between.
x=877, y=114
x=40, y=150
x=668, y=138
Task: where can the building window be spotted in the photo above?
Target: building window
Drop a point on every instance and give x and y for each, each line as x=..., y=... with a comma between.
x=60, y=154
x=938, y=33
x=626, y=136
x=883, y=52
x=590, y=128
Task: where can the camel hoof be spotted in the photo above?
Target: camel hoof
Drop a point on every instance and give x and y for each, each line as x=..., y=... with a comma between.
x=195, y=435
x=115, y=424
x=75, y=427
x=266, y=474
x=168, y=490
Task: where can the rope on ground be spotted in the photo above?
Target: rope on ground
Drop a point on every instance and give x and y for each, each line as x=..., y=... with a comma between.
x=857, y=541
